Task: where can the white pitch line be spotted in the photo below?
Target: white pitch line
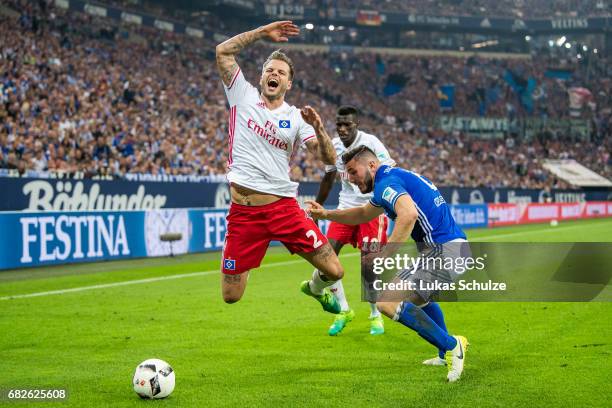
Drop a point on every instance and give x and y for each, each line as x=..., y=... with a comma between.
x=107, y=285
x=139, y=281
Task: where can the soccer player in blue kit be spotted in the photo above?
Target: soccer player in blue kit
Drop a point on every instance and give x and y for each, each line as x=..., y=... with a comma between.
x=420, y=212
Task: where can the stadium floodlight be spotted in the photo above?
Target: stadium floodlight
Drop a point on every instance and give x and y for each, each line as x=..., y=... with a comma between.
x=561, y=41
x=309, y=26
x=527, y=38
x=568, y=45
x=331, y=27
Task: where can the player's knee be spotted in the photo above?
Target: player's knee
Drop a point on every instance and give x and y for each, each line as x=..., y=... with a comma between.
x=386, y=308
x=230, y=298
x=231, y=295
x=336, y=272
x=333, y=272
x=339, y=273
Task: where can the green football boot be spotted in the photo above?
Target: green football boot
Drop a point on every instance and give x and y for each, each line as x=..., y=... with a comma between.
x=340, y=322
x=327, y=300
x=376, y=325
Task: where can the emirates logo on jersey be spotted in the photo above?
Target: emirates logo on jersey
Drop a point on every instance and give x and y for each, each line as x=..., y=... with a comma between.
x=268, y=133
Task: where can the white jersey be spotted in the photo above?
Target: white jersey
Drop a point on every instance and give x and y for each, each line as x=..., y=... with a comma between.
x=262, y=142
x=350, y=196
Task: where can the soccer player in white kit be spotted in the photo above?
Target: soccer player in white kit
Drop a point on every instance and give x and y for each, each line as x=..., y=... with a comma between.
x=264, y=134
x=375, y=231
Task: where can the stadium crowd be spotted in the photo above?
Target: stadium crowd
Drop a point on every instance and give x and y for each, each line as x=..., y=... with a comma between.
x=522, y=9
x=82, y=95
x=489, y=8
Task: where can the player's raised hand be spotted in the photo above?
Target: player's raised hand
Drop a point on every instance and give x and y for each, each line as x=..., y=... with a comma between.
x=280, y=31
x=311, y=116
x=316, y=210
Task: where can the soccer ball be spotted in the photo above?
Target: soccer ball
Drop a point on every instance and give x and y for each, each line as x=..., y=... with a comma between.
x=153, y=378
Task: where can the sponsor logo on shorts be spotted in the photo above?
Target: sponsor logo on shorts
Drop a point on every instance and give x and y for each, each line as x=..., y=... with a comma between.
x=229, y=264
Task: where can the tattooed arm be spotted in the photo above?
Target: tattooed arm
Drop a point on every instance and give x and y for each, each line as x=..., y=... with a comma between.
x=348, y=216
x=278, y=31
x=322, y=146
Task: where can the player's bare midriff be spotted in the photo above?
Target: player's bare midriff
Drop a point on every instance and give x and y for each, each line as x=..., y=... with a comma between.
x=246, y=196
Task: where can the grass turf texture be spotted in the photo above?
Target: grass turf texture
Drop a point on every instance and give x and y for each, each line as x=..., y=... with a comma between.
x=271, y=348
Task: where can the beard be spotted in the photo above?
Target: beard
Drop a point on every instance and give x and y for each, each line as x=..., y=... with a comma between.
x=278, y=93
x=368, y=184
x=273, y=96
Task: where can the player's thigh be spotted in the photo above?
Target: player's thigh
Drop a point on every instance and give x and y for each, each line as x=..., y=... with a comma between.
x=325, y=260
x=424, y=282
x=233, y=286
x=301, y=235
x=246, y=243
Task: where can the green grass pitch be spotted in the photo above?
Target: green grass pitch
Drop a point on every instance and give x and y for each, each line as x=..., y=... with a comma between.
x=272, y=348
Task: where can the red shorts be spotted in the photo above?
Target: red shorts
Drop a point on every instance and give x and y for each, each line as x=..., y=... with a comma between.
x=250, y=230
x=372, y=231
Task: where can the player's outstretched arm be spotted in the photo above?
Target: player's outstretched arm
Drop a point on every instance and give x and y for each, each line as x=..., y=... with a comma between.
x=325, y=187
x=349, y=216
x=322, y=146
x=279, y=31
x=406, y=218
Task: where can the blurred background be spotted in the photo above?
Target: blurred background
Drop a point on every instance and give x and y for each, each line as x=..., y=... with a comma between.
x=117, y=105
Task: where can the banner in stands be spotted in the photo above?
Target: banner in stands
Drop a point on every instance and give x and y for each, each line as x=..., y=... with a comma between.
x=35, y=239
x=49, y=238
x=297, y=11
x=575, y=127
x=26, y=194
x=512, y=214
x=476, y=126
x=470, y=215
x=474, y=195
x=35, y=194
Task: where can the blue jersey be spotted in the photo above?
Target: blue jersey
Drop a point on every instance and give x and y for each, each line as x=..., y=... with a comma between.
x=435, y=223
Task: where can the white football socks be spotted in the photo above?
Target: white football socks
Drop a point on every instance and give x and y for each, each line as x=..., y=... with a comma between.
x=338, y=291
x=317, y=284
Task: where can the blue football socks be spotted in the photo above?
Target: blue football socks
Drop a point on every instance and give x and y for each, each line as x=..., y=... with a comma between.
x=412, y=316
x=434, y=311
